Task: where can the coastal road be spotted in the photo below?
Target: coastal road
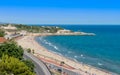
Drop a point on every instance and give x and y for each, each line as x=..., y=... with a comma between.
x=40, y=67
x=64, y=70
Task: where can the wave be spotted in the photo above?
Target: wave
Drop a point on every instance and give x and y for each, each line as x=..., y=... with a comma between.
x=81, y=55
x=75, y=56
x=69, y=52
x=100, y=64
x=56, y=52
x=48, y=43
x=75, y=60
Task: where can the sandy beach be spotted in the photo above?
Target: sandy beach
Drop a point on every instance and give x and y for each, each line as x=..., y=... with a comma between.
x=47, y=56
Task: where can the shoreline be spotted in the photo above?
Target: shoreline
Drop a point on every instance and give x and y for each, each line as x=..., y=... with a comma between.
x=72, y=59
x=84, y=69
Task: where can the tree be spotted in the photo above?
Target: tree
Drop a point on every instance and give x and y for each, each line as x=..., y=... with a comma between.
x=29, y=64
x=13, y=66
x=2, y=33
x=33, y=51
x=29, y=50
x=11, y=49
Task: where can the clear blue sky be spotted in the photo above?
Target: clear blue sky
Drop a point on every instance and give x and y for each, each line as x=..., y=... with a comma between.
x=60, y=11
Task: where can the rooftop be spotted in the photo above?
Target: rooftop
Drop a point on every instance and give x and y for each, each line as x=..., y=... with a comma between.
x=2, y=40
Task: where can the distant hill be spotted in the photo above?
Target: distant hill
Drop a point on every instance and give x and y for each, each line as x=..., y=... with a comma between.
x=3, y=23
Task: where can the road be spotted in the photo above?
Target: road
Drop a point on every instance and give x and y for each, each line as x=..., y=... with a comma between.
x=40, y=67
x=64, y=70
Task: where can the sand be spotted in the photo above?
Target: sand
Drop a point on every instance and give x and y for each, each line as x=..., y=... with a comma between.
x=47, y=56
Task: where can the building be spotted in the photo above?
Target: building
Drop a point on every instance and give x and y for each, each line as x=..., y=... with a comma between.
x=64, y=31
x=2, y=40
x=10, y=27
x=23, y=32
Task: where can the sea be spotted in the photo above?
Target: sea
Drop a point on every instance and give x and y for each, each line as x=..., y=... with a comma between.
x=101, y=51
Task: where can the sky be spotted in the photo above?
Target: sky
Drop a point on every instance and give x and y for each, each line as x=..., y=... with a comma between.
x=60, y=11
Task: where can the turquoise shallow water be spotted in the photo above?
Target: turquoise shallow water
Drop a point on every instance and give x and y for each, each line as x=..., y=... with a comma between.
x=102, y=50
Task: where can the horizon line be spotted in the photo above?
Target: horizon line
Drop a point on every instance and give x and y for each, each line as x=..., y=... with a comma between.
x=53, y=24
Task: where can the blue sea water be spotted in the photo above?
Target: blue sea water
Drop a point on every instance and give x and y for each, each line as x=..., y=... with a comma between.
x=101, y=50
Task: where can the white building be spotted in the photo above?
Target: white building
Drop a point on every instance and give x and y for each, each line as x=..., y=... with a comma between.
x=64, y=31
x=9, y=27
x=23, y=32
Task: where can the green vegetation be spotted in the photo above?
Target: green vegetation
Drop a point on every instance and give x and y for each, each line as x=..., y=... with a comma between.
x=12, y=62
x=38, y=29
x=29, y=50
x=11, y=49
x=13, y=66
x=34, y=28
x=2, y=33
x=29, y=64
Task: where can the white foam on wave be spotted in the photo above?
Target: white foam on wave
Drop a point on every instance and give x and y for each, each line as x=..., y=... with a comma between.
x=47, y=43
x=55, y=47
x=44, y=41
x=56, y=53
x=81, y=55
x=100, y=64
x=50, y=44
x=75, y=56
x=75, y=60
x=69, y=52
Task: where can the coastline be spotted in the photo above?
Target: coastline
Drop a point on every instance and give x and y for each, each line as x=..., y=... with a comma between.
x=44, y=54
x=59, y=34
